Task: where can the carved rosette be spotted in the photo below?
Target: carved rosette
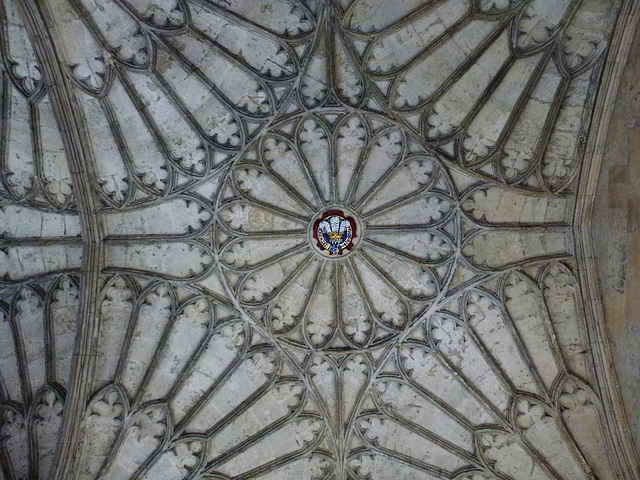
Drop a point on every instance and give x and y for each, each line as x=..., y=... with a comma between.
x=394, y=250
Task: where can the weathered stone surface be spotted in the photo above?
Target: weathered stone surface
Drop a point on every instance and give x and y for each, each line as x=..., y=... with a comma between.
x=615, y=226
x=285, y=239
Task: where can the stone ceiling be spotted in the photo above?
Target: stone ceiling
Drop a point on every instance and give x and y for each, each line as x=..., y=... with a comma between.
x=330, y=239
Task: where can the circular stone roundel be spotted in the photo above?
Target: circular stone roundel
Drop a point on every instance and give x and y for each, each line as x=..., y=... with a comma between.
x=339, y=232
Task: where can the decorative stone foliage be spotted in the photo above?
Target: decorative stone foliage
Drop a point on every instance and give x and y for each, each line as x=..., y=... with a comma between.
x=33, y=162
x=37, y=333
x=399, y=199
x=334, y=240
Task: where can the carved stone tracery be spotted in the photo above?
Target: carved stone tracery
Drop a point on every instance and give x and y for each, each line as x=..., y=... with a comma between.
x=444, y=337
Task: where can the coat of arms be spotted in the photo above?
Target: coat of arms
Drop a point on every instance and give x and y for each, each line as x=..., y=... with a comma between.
x=335, y=232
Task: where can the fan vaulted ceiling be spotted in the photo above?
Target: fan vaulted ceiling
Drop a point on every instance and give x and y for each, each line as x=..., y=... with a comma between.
x=330, y=239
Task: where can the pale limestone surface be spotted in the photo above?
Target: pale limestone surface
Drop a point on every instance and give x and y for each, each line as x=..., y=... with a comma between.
x=616, y=223
x=188, y=151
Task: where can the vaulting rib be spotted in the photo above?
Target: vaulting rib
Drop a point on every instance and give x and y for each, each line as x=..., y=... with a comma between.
x=445, y=338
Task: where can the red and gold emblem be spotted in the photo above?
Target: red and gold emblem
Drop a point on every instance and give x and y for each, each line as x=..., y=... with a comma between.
x=335, y=232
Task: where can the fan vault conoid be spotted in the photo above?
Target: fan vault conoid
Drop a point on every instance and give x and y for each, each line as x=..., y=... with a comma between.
x=320, y=239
